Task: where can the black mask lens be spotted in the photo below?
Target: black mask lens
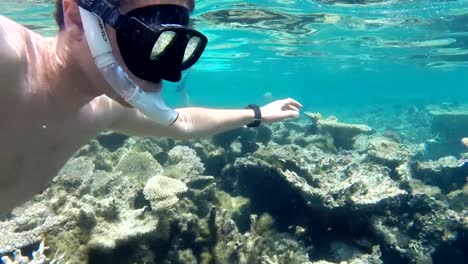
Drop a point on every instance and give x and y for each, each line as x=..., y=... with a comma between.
x=158, y=43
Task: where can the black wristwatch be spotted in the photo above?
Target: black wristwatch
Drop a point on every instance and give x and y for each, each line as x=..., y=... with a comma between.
x=257, y=115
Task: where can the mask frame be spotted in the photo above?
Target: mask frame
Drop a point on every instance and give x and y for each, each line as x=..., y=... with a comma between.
x=137, y=43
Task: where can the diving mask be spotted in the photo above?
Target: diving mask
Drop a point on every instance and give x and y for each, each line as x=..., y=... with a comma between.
x=149, y=103
x=155, y=41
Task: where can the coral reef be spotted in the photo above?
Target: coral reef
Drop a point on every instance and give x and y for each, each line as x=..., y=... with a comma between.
x=91, y=209
x=445, y=173
x=304, y=191
x=343, y=134
x=162, y=191
x=351, y=184
x=384, y=151
x=38, y=257
x=184, y=163
x=325, y=180
x=449, y=123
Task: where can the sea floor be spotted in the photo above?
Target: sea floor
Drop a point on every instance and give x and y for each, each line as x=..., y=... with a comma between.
x=385, y=185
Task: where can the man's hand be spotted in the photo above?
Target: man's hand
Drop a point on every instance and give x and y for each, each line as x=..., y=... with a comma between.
x=280, y=110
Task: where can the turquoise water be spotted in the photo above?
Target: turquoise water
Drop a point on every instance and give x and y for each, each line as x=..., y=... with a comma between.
x=318, y=192
x=330, y=56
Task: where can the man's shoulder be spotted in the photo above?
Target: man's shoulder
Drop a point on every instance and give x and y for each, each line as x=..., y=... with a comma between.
x=12, y=56
x=12, y=39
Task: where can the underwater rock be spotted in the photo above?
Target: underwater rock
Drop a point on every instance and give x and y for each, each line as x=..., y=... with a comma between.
x=264, y=134
x=154, y=146
x=315, y=204
x=183, y=163
x=347, y=253
x=85, y=209
x=38, y=257
x=136, y=169
x=343, y=134
x=385, y=151
x=281, y=134
x=412, y=221
x=77, y=172
x=185, y=256
x=200, y=182
x=225, y=139
x=449, y=123
x=103, y=158
x=213, y=157
x=294, y=132
x=258, y=245
x=458, y=200
x=445, y=173
x=248, y=141
x=465, y=141
x=111, y=140
x=247, y=137
x=237, y=208
x=416, y=231
x=27, y=226
x=325, y=181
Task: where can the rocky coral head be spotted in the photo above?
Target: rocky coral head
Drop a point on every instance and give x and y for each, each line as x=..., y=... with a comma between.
x=314, y=117
x=162, y=191
x=465, y=141
x=343, y=134
x=38, y=256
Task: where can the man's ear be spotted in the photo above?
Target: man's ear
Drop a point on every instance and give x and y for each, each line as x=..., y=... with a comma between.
x=72, y=19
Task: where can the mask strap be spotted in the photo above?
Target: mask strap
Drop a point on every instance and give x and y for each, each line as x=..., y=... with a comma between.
x=106, y=11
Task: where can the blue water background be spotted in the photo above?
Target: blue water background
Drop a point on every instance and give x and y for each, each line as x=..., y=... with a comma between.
x=373, y=55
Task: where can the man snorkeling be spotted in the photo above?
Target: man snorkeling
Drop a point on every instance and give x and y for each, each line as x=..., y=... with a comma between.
x=102, y=71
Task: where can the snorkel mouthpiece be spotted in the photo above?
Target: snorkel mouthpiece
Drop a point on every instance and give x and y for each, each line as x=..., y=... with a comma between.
x=150, y=104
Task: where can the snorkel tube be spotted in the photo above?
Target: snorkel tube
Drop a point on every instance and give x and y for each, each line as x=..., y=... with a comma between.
x=150, y=104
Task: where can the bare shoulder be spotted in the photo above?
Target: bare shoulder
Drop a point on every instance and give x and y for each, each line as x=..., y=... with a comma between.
x=13, y=57
x=12, y=38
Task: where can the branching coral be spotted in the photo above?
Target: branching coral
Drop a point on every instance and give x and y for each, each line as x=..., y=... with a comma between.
x=38, y=257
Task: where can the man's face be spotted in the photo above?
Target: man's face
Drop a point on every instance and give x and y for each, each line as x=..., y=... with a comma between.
x=125, y=7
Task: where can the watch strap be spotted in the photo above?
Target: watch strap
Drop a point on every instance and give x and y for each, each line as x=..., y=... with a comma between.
x=257, y=115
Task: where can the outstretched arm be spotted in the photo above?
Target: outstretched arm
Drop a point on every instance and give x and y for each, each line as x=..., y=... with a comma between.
x=196, y=122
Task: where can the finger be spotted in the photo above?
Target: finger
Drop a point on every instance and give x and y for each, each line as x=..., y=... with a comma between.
x=291, y=107
x=292, y=113
x=293, y=102
x=296, y=104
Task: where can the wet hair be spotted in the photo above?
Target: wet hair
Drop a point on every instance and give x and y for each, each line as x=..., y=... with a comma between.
x=58, y=14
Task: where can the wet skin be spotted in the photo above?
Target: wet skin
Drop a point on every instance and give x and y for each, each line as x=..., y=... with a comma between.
x=53, y=100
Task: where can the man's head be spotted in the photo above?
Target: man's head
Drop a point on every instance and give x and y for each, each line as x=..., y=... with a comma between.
x=126, y=40
x=58, y=14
